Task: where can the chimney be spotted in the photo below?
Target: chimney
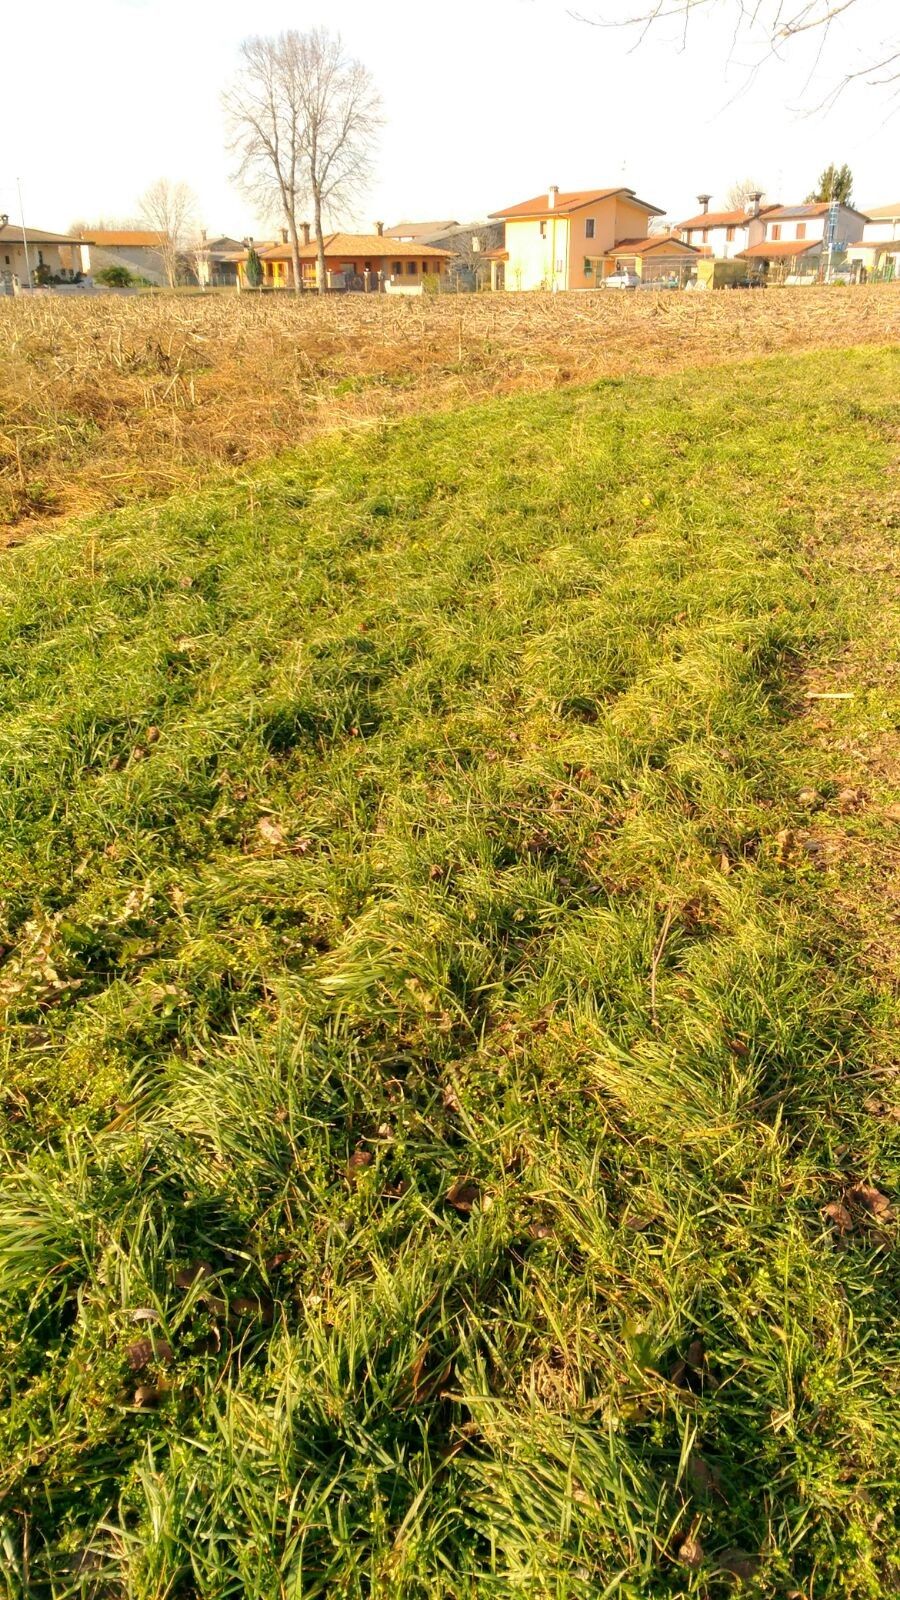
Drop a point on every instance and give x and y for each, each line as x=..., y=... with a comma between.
x=284, y=235
x=756, y=197
x=703, y=202
x=553, y=196
x=304, y=230
x=379, y=229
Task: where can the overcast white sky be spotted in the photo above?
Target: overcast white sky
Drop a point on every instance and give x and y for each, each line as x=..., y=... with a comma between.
x=487, y=102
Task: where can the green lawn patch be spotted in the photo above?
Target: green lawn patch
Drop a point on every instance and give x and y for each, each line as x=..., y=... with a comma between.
x=448, y=1145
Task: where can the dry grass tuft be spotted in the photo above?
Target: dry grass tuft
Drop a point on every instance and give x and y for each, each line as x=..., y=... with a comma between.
x=102, y=400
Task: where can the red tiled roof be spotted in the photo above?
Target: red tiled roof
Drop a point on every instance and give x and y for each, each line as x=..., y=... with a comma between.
x=883, y=213
x=571, y=200
x=353, y=245
x=655, y=241
x=779, y=249
x=725, y=219
x=139, y=238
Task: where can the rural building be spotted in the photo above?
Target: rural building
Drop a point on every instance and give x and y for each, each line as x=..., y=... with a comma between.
x=48, y=255
x=138, y=250
x=568, y=240
x=471, y=246
x=353, y=261
x=725, y=234
x=420, y=232
x=218, y=261
x=877, y=249
x=799, y=240
x=661, y=258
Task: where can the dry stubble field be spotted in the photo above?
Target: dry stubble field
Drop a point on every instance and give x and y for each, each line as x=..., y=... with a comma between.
x=104, y=400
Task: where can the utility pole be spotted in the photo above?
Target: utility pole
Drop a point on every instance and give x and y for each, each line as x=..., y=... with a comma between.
x=24, y=234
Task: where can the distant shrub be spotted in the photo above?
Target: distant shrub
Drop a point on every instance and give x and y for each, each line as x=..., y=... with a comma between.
x=115, y=277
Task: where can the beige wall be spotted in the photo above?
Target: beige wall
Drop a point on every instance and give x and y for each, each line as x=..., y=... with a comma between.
x=56, y=257
x=538, y=252
x=536, y=261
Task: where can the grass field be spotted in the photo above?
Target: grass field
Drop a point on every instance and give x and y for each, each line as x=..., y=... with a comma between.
x=451, y=1074
x=108, y=399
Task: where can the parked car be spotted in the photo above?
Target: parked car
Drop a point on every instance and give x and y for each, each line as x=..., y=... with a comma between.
x=622, y=280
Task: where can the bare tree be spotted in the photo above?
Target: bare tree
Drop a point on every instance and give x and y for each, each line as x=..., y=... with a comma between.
x=264, y=115
x=169, y=209
x=776, y=21
x=303, y=119
x=741, y=193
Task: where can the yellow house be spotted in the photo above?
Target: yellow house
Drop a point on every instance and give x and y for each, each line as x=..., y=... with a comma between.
x=567, y=240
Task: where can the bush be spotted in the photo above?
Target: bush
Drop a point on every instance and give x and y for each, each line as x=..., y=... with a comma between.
x=115, y=277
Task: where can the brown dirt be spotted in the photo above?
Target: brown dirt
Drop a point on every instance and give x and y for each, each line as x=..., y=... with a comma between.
x=103, y=400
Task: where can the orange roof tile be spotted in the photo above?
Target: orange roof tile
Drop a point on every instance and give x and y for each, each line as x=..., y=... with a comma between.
x=140, y=238
x=353, y=245
x=725, y=219
x=571, y=200
x=655, y=241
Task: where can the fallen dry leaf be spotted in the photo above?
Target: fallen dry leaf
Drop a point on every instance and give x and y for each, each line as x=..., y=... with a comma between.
x=690, y=1552
x=702, y=1478
x=141, y=1352
x=463, y=1195
x=146, y=1395
x=269, y=830
x=876, y=1203
x=892, y=812
x=358, y=1162
x=186, y=1276
x=784, y=843
x=840, y=1216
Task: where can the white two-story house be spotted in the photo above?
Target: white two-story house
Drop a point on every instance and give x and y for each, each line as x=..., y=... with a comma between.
x=725, y=234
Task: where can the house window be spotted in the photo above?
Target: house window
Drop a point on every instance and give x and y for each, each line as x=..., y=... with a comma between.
x=705, y=236
x=7, y=260
x=589, y=228
x=729, y=235
x=588, y=267
x=424, y=266
x=368, y=267
x=801, y=230
x=398, y=268
x=543, y=230
x=776, y=230
x=410, y=269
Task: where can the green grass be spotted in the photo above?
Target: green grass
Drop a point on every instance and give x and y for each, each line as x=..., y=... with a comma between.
x=414, y=814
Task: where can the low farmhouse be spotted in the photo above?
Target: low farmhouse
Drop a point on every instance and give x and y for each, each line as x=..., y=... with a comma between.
x=353, y=261
x=32, y=256
x=218, y=261
x=876, y=253
x=725, y=234
x=800, y=240
x=471, y=245
x=138, y=250
x=569, y=239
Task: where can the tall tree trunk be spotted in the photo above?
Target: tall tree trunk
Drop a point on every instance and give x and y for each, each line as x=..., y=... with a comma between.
x=295, y=251
x=320, y=241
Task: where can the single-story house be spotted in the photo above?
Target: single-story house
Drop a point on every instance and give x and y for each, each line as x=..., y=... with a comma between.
x=662, y=258
x=471, y=245
x=34, y=255
x=138, y=250
x=567, y=239
x=367, y=261
x=218, y=261
x=787, y=260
